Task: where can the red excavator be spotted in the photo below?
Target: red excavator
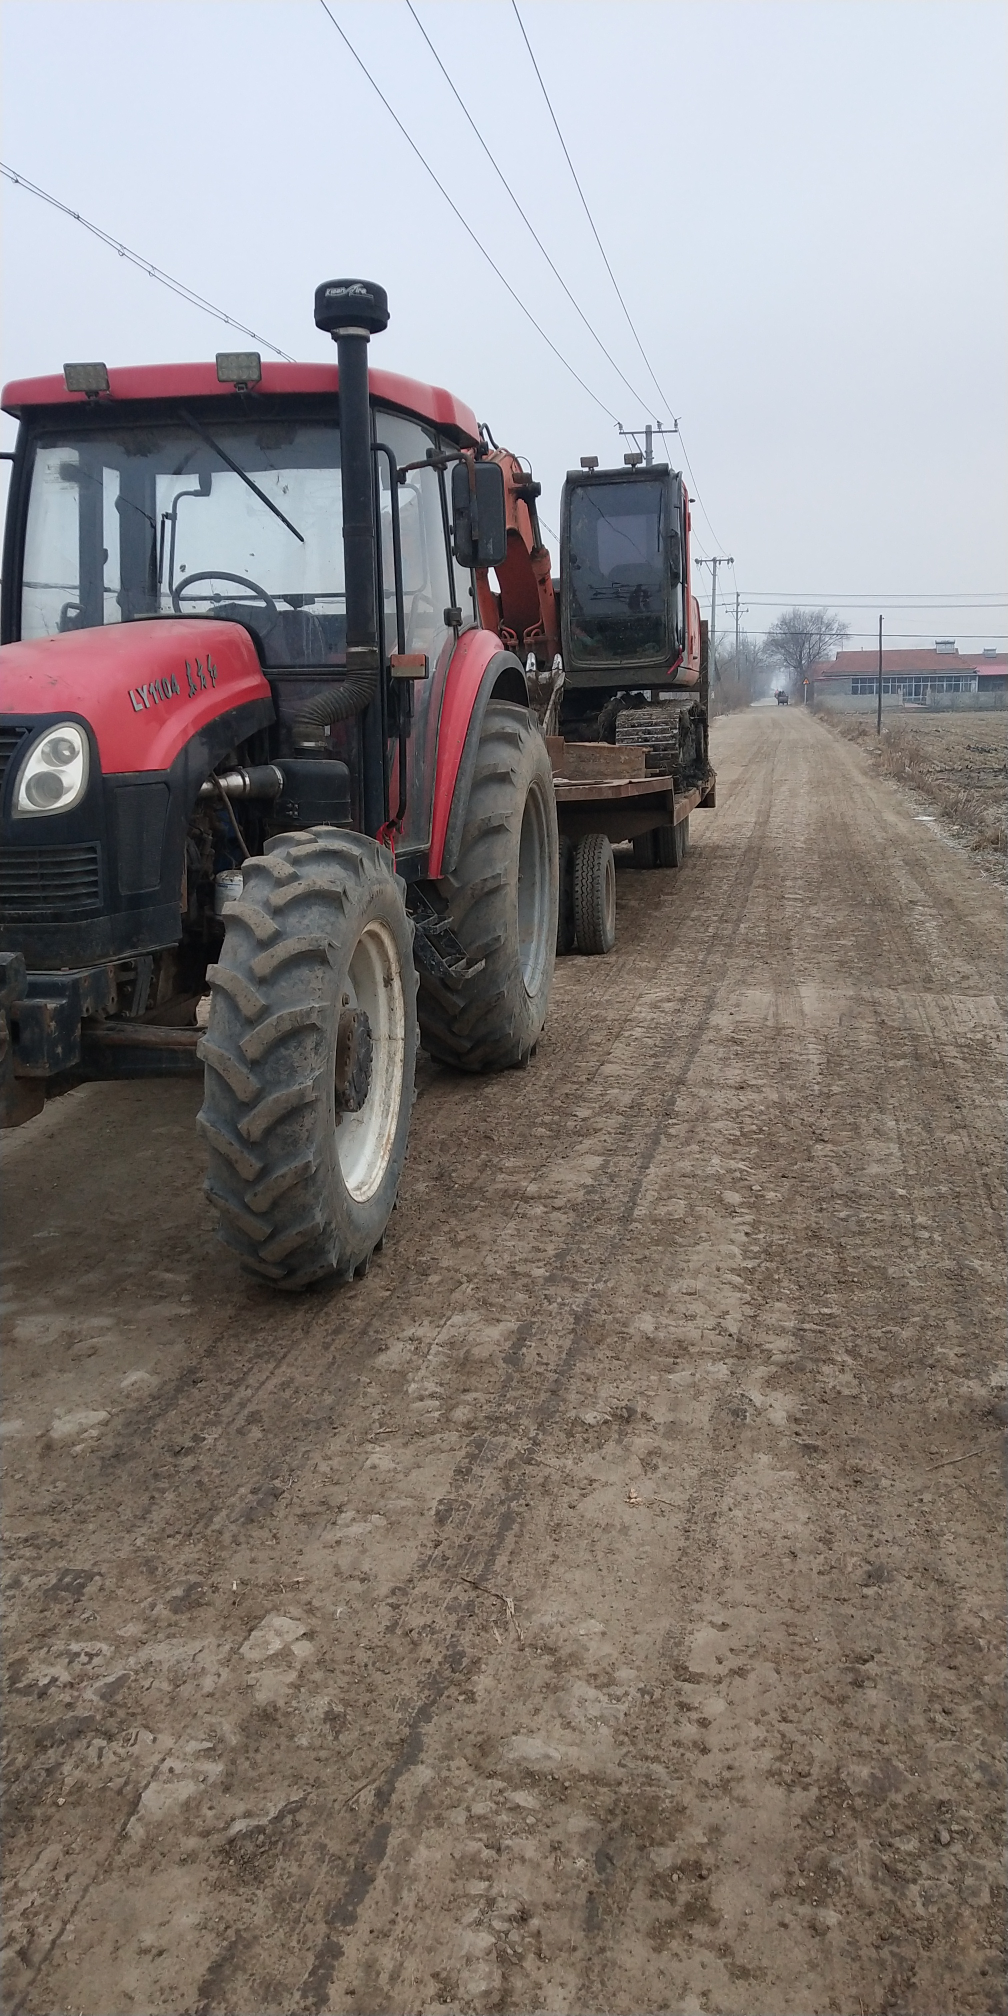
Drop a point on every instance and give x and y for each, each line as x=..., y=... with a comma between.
x=616, y=658
x=271, y=785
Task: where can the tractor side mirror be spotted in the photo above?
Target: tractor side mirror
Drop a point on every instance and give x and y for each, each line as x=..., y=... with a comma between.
x=479, y=526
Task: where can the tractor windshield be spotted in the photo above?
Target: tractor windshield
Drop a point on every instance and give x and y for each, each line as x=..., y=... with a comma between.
x=617, y=572
x=237, y=519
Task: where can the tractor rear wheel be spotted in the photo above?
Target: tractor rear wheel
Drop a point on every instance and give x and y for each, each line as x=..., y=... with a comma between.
x=310, y=1057
x=502, y=904
x=595, y=894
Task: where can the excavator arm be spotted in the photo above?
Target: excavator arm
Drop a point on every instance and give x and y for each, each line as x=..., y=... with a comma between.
x=523, y=608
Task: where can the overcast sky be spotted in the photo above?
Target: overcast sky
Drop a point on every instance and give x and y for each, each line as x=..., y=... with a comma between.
x=803, y=206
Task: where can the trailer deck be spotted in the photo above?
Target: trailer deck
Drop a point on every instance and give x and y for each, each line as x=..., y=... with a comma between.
x=601, y=788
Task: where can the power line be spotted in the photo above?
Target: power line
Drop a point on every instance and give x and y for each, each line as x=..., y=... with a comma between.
x=467, y=228
x=956, y=598
x=498, y=171
x=144, y=265
x=609, y=270
x=917, y=636
x=591, y=220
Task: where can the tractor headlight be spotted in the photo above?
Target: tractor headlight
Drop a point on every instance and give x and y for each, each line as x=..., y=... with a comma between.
x=54, y=774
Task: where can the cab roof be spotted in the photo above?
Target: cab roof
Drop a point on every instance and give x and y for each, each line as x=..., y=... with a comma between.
x=199, y=381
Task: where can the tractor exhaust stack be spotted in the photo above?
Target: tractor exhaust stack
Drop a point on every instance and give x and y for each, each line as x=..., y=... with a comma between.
x=351, y=312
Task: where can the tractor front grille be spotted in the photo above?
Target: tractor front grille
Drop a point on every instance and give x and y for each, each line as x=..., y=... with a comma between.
x=10, y=742
x=50, y=885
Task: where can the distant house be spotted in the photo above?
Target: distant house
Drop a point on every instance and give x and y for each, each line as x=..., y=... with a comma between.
x=943, y=677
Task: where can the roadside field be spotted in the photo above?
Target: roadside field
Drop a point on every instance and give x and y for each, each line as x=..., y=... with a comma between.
x=601, y=1606
x=956, y=764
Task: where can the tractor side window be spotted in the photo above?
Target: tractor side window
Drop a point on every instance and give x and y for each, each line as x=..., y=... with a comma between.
x=51, y=580
x=465, y=594
x=429, y=588
x=71, y=560
x=427, y=585
x=89, y=543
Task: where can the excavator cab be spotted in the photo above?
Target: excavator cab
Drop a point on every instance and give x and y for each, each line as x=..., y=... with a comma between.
x=625, y=610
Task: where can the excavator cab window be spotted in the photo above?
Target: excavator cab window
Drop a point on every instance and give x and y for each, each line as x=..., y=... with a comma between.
x=622, y=594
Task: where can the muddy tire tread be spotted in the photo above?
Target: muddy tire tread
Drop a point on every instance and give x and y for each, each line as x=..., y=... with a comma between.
x=265, y=1050
x=489, y=1022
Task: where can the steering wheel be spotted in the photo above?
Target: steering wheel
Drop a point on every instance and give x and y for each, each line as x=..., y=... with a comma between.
x=220, y=574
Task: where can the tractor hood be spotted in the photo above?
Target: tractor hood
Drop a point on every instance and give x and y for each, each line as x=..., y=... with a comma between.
x=145, y=688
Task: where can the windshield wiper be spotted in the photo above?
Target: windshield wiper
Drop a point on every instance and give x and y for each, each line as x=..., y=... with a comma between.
x=199, y=429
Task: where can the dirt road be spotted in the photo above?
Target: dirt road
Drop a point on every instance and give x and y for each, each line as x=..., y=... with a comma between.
x=602, y=1606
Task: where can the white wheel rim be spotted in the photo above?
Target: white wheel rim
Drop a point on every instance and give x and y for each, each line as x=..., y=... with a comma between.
x=533, y=892
x=364, y=1140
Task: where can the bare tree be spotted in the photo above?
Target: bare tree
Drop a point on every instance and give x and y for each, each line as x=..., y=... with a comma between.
x=800, y=637
x=741, y=679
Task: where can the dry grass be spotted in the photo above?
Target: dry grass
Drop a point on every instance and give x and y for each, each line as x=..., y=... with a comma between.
x=729, y=695
x=957, y=764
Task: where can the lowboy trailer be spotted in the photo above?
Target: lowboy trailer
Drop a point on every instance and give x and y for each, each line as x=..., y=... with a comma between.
x=616, y=657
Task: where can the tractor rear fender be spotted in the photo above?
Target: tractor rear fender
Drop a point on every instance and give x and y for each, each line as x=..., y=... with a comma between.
x=480, y=670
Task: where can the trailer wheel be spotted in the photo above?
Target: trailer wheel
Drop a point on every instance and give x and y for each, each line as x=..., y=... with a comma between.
x=595, y=894
x=502, y=904
x=672, y=844
x=310, y=1057
x=645, y=849
x=566, y=935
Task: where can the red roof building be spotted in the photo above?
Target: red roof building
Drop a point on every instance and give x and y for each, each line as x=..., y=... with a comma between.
x=942, y=676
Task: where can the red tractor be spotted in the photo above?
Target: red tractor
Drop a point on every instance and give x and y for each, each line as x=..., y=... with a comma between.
x=271, y=789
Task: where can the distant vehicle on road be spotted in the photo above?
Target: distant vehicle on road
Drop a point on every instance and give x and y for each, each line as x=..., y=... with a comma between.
x=781, y=696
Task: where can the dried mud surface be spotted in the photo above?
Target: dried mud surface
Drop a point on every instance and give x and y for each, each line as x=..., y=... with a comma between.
x=602, y=1605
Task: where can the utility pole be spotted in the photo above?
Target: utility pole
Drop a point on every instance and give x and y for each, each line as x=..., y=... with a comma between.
x=738, y=668
x=651, y=429
x=878, y=721
x=719, y=560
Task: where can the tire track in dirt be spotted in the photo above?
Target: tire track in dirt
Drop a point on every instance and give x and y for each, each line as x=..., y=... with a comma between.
x=181, y=1410
x=500, y=1517
x=921, y=1130
x=818, y=1280
x=692, y=1422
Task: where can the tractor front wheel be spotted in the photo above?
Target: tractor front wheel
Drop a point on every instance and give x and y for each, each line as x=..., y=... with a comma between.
x=310, y=1057
x=502, y=904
